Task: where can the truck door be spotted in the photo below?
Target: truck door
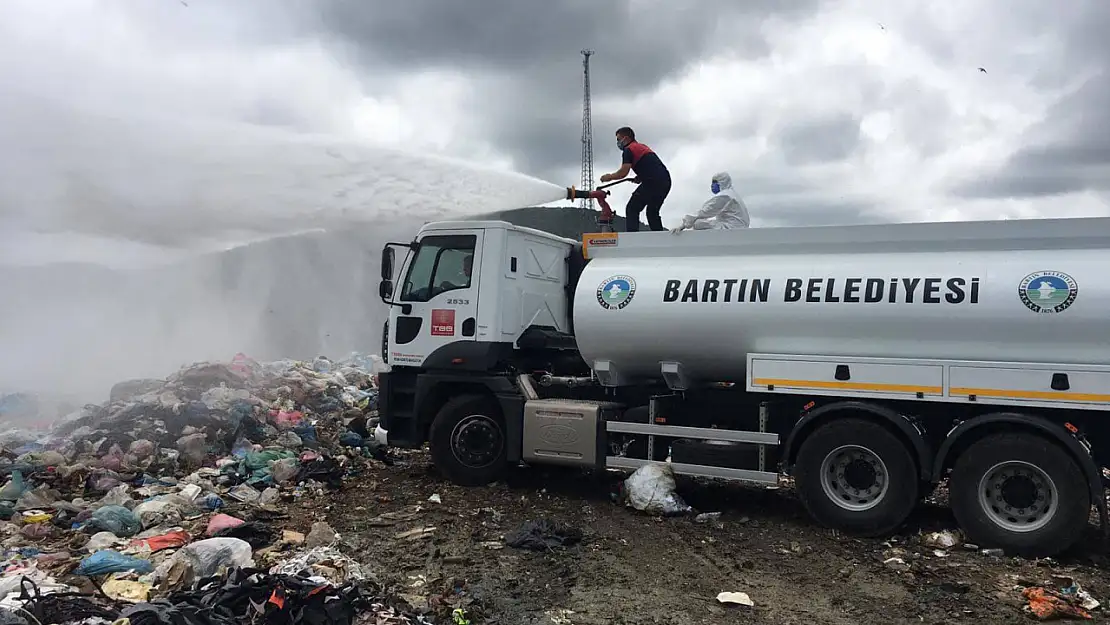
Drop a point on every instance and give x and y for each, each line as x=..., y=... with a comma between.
x=441, y=286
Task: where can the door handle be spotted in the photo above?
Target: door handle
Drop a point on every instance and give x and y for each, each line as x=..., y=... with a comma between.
x=468, y=326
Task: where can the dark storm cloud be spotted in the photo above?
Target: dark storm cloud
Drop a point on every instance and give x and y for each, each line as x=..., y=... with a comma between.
x=820, y=140
x=528, y=54
x=647, y=40
x=1070, y=150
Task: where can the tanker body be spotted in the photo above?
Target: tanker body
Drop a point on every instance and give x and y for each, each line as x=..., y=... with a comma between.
x=708, y=308
x=868, y=362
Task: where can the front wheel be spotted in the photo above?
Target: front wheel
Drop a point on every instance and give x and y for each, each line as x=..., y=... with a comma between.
x=467, y=440
x=1021, y=493
x=856, y=476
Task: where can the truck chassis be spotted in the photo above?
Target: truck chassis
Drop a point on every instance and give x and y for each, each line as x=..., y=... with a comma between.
x=864, y=438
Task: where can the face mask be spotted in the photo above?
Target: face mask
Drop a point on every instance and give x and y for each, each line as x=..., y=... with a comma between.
x=715, y=187
x=620, y=144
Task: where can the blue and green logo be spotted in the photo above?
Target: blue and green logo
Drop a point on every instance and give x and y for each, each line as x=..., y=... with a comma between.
x=616, y=292
x=1048, y=291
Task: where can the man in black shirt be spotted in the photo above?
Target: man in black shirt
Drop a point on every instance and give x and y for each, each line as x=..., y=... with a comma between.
x=651, y=174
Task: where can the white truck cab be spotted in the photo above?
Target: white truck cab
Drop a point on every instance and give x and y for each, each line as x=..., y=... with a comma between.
x=475, y=283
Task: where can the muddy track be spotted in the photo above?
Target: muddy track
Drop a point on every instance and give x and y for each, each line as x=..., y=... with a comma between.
x=633, y=569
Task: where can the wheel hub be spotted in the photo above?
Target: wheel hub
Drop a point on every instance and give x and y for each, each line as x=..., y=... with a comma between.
x=476, y=441
x=1018, y=496
x=854, y=477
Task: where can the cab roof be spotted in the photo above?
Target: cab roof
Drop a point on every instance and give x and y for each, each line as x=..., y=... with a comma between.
x=472, y=224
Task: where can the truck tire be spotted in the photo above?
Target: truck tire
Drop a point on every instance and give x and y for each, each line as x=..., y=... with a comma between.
x=726, y=454
x=856, y=476
x=467, y=440
x=999, y=473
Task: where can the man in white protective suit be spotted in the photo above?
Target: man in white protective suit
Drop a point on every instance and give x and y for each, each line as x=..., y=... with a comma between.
x=724, y=211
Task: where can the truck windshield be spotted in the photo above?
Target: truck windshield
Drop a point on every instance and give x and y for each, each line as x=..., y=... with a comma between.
x=442, y=264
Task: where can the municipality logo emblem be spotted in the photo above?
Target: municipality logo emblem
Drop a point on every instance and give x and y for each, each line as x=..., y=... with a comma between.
x=1048, y=291
x=616, y=292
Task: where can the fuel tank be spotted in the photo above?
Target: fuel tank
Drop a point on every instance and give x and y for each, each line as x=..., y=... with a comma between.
x=1033, y=291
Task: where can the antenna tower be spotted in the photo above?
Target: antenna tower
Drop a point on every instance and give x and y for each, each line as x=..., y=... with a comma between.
x=587, y=131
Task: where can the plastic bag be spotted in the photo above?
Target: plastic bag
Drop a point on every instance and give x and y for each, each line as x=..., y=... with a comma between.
x=118, y=496
x=37, y=530
x=102, y=540
x=241, y=448
x=158, y=512
x=333, y=566
x=104, y=562
x=117, y=520
x=285, y=470
x=40, y=498
x=193, y=447
x=263, y=459
x=14, y=488
x=206, y=557
x=220, y=397
x=222, y=521
x=102, y=480
x=290, y=440
x=178, y=538
x=307, y=432
x=41, y=459
x=287, y=419
x=651, y=489
x=269, y=497
x=113, y=460
x=141, y=449
x=350, y=439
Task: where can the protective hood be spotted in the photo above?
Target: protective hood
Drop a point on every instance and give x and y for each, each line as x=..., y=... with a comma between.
x=724, y=210
x=723, y=180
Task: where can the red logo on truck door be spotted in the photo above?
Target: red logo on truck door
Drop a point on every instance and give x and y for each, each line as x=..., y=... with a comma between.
x=443, y=322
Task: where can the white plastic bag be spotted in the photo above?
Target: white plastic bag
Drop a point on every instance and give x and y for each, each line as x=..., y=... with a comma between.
x=651, y=489
x=206, y=557
x=158, y=512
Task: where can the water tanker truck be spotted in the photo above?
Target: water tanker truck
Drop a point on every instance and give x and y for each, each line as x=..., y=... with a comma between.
x=869, y=363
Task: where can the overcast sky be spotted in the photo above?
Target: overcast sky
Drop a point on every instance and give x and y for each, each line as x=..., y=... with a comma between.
x=823, y=111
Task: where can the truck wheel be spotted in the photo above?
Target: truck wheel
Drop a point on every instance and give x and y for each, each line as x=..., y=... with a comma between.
x=1021, y=493
x=467, y=440
x=856, y=476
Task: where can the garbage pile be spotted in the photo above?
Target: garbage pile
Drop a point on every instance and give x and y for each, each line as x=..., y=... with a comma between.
x=170, y=503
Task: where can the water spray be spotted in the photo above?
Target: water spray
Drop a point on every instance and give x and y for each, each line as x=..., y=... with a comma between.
x=599, y=194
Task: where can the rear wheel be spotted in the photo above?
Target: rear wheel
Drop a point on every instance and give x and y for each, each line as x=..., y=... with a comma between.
x=467, y=440
x=856, y=476
x=1021, y=493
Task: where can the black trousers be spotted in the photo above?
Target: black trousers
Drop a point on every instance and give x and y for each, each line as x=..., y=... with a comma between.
x=650, y=196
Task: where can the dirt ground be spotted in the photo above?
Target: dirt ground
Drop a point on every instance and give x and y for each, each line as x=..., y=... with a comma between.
x=635, y=569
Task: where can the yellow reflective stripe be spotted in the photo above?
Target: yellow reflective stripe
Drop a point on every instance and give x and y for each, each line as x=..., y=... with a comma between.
x=1013, y=394
x=850, y=386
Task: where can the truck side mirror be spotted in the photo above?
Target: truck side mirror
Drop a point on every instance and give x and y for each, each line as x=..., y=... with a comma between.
x=385, y=290
x=387, y=264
